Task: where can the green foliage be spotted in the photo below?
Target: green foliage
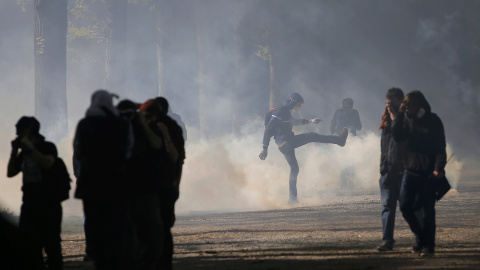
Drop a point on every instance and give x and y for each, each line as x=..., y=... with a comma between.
x=23, y=4
x=263, y=52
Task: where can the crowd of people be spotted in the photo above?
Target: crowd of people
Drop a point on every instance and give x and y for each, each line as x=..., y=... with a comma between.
x=128, y=162
x=412, y=162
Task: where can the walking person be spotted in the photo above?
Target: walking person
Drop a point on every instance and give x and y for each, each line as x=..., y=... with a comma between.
x=41, y=211
x=280, y=125
x=391, y=167
x=425, y=162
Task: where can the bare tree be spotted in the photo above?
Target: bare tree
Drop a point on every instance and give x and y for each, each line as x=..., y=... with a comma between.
x=116, y=47
x=50, y=67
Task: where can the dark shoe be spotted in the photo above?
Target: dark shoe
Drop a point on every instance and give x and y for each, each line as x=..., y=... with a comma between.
x=385, y=246
x=417, y=249
x=427, y=252
x=343, y=134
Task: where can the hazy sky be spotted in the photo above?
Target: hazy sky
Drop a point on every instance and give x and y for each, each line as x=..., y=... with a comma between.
x=326, y=50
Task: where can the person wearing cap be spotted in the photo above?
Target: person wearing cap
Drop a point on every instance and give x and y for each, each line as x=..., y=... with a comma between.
x=280, y=127
x=102, y=145
x=41, y=214
x=347, y=117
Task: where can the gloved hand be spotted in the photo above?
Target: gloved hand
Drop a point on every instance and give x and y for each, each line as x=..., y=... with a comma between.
x=315, y=120
x=263, y=155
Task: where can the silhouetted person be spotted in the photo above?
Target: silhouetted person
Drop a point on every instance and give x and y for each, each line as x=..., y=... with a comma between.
x=144, y=172
x=168, y=192
x=346, y=117
x=391, y=167
x=41, y=212
x=280, y=127
x=425, y=162
x=178, y=119
x=171, y=188
x=102, y=145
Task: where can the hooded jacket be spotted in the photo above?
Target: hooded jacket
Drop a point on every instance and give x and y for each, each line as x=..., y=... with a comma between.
x=281, y=123
x=425, y=139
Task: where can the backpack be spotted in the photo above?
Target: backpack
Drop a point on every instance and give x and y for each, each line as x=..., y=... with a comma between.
x=58, y=181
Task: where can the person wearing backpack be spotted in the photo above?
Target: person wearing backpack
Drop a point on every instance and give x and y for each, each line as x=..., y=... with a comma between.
x=102, y=145
x=41, y=211
x=280, y=127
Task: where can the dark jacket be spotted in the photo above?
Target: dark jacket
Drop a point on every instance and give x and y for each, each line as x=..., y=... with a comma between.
x=280, y=126
x=425, y=138
x=101, y=146
x=345, y=118
x=392, y=153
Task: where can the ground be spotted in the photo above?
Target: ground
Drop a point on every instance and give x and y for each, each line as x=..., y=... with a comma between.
x=339, y=235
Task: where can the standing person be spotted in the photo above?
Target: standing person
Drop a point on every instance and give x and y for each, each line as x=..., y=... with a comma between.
x=280, y=127
x=425, y=162
x=144, y=170
x=346, y=117
x=102, y=145
x=41, y=212
x=391, y=167
x=171, y=166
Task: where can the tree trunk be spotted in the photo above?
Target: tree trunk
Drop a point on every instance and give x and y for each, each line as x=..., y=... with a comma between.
x=116, y=47
x=50, y=67
x=142, y=50
x=273, y=86
x=201, y=71
x=159, y=10
x=236, y=59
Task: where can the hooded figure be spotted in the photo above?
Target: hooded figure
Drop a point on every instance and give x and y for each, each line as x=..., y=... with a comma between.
x=424, y=135
x=102, y=144
x=280, y=127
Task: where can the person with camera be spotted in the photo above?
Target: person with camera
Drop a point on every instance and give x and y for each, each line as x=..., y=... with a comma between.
x=425, y=163
x=41, y=213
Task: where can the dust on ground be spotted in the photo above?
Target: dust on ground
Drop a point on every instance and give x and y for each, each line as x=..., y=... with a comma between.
x=339, y=235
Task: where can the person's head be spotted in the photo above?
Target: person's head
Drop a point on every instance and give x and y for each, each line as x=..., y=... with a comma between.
x=151, y=110
x=347, y=103
x=28, y=126
x=163, y=103
x=416, y=105
x=394, y=98
x=295, y=101
x=102, y=104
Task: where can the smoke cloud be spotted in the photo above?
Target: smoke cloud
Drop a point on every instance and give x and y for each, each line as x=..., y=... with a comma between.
x=325, y=50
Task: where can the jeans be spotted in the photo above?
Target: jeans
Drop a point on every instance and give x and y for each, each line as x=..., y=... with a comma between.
x=390, y=184
x=416, y=192
x=288, y=150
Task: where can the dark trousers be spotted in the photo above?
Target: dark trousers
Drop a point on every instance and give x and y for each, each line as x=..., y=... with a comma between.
x=390, y=184
x=167, y=203
x=416, y=193
x=148, y=227
x=41, y=222
x=109, y=234
x=288, y=150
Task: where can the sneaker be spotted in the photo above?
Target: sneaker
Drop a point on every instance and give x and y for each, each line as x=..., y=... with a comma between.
x=343, y=134
x=417, y=249
x=427, y=252
x=385, y=246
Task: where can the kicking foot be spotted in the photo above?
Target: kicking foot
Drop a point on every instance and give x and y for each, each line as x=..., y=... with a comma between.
x=343, y=134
